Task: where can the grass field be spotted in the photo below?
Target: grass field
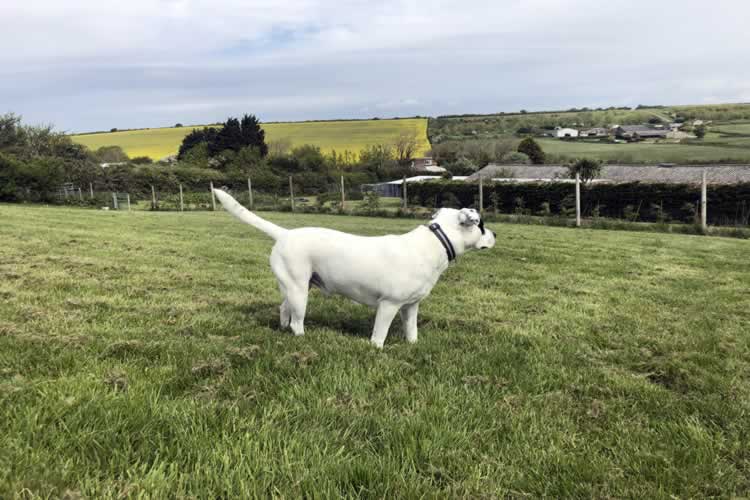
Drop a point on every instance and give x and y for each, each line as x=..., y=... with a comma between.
x=718, y=146
x=334, y=135
x=139, y=357
x=712, y=149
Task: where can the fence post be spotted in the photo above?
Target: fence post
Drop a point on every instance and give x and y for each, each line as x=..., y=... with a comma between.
x=182, y=205
x=704, y=203
x=291, y=192
x=250, y=192
x=153, y=198
x=343, y=199
x=114, y=200
x=213, y=196
x=80, y=195
x=128, y=195
x=91, y=190
x=481, y=195
x=403, y=190
x=578, y=199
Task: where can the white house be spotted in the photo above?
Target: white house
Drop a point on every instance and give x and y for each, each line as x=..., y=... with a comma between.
x=566, y=132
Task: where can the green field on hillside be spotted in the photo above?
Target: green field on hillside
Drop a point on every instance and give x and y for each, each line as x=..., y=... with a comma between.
x=712, y=149
x=340, y=136
x=140, y=357
x=728, y=137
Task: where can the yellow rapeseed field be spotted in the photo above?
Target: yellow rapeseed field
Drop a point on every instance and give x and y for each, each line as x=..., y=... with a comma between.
x=351, y=135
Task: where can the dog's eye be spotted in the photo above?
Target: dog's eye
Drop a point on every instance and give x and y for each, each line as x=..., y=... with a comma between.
x=481, y=225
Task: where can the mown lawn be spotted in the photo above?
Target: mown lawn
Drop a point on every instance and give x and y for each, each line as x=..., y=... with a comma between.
x=139, y=356
x=343, y=135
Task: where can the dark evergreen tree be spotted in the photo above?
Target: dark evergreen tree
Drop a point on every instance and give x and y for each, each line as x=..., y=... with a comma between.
x=197, y=136
x=229, y=137
x=253, y=134
x=532, y=149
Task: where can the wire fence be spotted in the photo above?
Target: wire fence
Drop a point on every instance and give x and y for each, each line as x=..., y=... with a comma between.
x=339, y=198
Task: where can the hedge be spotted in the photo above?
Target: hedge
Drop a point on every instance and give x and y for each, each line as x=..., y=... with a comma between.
x=727, y=204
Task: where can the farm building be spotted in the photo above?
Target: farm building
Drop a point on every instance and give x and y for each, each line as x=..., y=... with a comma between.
x=426, y=164
x=562, y=133
x=638, y=132
x=392, y=189
x=665, y=173
x=595, y=132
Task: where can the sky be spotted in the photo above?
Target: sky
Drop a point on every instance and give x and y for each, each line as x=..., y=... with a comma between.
x=86, y=65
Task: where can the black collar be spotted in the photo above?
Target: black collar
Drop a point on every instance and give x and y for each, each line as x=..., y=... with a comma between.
x=440, y=235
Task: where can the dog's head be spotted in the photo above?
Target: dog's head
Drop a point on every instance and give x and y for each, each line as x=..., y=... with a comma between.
x=465, y=228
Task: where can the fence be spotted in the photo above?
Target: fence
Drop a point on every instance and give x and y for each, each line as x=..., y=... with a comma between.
x=725, y=204
x=715, y=204
x=184, y=200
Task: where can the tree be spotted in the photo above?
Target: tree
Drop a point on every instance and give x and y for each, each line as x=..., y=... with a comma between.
x=177, y=125
x=404, y=147
x=532, y=149
x=378, y=159
x=110, y=154
x=205, y=135
x=10, y=130
x=279, y=147
x=229, y=137
x=700, y=131
x=587, y=168
x=253, y=134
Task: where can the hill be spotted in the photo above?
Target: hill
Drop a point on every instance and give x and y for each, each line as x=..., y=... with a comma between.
x=728, y=139
x=351, y=135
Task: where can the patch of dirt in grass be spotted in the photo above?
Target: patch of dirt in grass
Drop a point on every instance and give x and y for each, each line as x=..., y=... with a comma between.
x=8, y=329
x=117, y=381
x=242, y=355
x=346, y=400
x=209, y=368
x=304, y=359
x=16, y=383
x=10, y=275
x=131, y=348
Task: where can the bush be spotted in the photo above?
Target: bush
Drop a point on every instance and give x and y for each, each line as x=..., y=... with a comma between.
x=532, y=149
x=516, y=157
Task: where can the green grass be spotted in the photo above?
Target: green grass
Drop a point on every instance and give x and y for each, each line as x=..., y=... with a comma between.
x=709, y=150
x=352, y=136
x=717, y=147
x=139, y=356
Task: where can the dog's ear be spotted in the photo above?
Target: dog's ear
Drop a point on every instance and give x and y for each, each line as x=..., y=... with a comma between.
x=468, y=217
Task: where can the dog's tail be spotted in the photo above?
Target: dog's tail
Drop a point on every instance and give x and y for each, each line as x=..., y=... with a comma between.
x=233, y=207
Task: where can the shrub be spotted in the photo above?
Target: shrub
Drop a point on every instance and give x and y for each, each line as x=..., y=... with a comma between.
x=532, y=149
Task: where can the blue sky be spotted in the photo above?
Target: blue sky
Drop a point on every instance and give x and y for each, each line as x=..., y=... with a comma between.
x=91, y=65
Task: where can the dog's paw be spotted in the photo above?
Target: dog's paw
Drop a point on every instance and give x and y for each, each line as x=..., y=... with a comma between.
x=377, y=344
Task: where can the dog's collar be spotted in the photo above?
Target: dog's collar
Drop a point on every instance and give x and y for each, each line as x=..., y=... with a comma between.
x=443, y=239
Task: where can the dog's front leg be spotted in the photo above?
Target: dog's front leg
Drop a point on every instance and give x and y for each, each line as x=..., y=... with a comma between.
x=383, y=318
x=409, y=320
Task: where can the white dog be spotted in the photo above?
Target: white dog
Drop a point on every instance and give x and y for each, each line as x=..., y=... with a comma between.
x=391, y=273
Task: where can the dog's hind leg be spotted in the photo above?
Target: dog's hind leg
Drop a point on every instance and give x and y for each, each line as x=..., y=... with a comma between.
x=296, y=300
x=383, y=319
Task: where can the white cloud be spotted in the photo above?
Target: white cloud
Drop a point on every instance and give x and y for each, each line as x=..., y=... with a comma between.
x=145, y=62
